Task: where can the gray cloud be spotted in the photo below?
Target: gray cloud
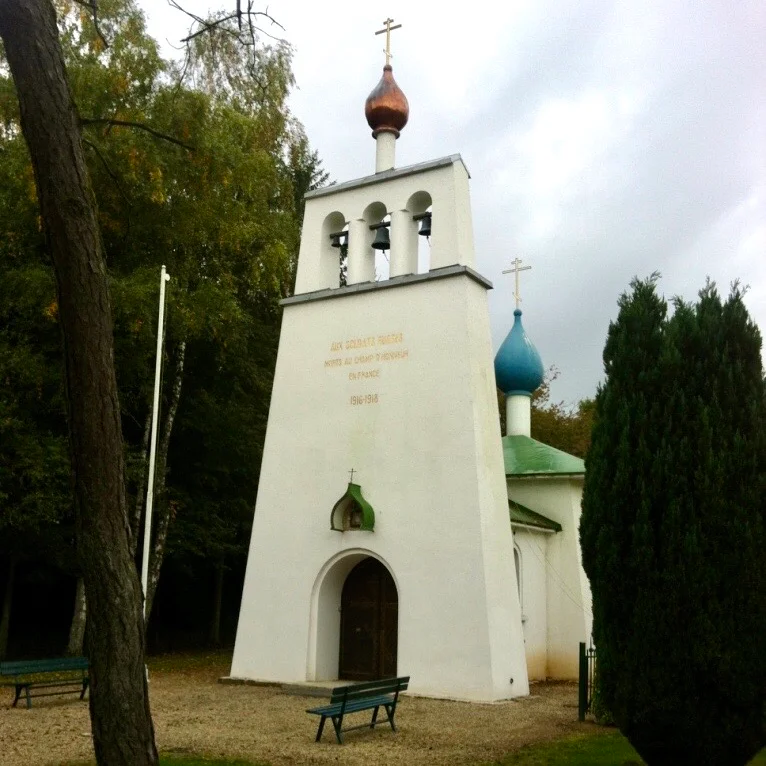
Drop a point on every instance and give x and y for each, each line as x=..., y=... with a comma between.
x=606, y=139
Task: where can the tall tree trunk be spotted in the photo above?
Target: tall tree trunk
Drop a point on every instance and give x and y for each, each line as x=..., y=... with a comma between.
x=164, y=513
x=77, y=628
x=122, y=728
x=138, y=509
x=5, y=619
x=215, y=622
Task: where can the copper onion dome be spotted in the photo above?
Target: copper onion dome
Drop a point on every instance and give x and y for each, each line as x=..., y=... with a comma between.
x=386, y=108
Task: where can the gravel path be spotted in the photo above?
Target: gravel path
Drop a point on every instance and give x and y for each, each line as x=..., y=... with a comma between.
x=195, y=714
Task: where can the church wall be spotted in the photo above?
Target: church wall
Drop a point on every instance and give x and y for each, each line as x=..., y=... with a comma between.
x=497, y=538
x=568, y=604
x=394, y=383
x=534, y=597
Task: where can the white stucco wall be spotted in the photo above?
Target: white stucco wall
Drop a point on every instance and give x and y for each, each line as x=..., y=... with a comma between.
x=398, y=384
x=569, y=605
x=534, y=600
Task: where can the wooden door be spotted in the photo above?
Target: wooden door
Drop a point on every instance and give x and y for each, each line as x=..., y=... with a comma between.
x=369, y=615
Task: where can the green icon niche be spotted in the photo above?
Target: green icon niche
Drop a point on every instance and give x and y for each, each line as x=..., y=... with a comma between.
x=352, y=512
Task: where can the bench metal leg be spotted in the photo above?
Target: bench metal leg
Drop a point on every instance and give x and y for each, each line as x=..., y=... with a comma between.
x=337, y=721
x=374, y=717
x=19, y=687
x=84, y=688
x=29, y=699
x=321, y=729
x=390, y=710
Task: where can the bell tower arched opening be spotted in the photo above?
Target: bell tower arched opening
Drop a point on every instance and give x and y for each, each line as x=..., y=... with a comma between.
x=329, y=619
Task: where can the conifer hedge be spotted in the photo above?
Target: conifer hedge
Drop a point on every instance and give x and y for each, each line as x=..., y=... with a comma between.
x=673, y=529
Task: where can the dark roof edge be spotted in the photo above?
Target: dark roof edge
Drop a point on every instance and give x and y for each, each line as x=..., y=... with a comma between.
x=402, y=281
x=529, y=518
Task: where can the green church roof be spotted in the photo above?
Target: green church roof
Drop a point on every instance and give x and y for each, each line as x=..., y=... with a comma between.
x=524, y=456
x=520, y=514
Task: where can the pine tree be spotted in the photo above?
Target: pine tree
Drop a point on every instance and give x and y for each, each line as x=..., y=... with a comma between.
x=673, y=528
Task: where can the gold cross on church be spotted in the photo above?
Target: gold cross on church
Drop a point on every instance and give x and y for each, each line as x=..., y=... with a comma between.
x=387, y=29
x=517, y=267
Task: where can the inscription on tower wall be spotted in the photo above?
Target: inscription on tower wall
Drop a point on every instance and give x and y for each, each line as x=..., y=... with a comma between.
x=363, y=358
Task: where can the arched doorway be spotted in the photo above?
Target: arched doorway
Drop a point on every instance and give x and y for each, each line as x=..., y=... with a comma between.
x=369, y=612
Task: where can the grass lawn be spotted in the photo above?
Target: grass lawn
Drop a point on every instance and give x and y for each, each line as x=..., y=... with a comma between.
x=603, y=749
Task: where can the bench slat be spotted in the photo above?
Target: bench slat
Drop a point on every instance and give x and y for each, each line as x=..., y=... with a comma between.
x=384, y=686
x=54, y=694
x=353, y=695
x=375, y=684
x=47, y=684
x=30, y=667
x=352, y=707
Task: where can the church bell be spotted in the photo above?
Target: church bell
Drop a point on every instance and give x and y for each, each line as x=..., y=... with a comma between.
x=425, y=226
x=339, y=239
x=382, y=240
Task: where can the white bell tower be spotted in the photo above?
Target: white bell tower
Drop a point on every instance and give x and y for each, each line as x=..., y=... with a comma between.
x=408, y=568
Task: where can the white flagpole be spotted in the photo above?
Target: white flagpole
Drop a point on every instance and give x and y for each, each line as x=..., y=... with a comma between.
x=164, y=277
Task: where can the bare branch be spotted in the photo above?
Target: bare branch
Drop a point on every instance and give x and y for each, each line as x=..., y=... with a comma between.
x=114, y=178
x=92, y=6
x=111, y=173
x=206, y=25
x=137, y=125
x=184, y=70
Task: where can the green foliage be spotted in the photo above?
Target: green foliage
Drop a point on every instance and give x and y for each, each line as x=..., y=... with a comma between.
x=554, y=423
x=220, y=205
x=601, y=713
x=674, y=528
x=35, y=495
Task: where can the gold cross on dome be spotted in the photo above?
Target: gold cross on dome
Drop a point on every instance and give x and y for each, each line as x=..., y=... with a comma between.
x=517, y=267
x=387, y=29
x=352, y=472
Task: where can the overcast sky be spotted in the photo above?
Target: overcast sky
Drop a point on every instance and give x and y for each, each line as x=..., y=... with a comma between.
x=605, y=139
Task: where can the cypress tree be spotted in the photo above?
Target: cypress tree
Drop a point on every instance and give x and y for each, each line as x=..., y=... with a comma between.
x=673, y=529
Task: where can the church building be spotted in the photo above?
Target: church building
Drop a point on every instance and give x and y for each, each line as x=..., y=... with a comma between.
x=383, y=541
x=544, y=495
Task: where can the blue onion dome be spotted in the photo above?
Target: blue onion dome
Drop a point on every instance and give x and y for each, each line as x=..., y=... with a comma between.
x=518, y=367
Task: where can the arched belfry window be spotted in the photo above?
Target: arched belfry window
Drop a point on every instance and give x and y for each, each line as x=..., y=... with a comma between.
x=352, y=512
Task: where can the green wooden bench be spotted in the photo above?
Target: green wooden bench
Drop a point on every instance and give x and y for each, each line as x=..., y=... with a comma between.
x=358, y=697
x=34, y=678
